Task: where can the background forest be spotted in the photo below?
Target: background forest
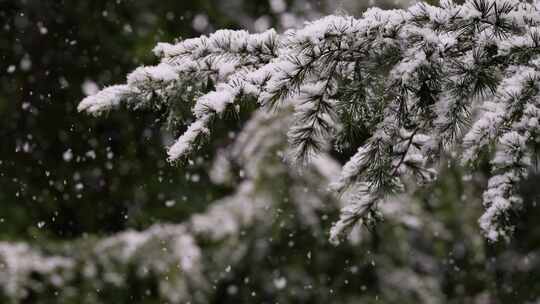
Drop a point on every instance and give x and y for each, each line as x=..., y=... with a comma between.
x=68, y=180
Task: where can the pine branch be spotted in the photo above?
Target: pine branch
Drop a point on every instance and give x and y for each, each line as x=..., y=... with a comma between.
x=404, y=87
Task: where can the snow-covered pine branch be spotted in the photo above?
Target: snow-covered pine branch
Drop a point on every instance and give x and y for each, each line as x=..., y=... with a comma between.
x=402, y=87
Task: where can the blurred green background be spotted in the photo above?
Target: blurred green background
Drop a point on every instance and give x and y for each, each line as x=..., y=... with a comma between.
x=65, y=175
x=72, y=173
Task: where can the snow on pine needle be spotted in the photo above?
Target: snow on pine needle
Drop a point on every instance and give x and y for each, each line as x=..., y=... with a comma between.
x=405, y=89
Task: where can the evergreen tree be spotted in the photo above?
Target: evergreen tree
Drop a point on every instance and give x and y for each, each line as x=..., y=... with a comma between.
x=404, y=99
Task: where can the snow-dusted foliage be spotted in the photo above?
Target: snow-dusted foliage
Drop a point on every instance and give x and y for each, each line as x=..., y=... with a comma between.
x=167, y=253
x=405, y=88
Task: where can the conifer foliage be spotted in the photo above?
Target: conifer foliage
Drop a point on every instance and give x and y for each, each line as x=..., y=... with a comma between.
x=395, y=93
x=357, y=114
